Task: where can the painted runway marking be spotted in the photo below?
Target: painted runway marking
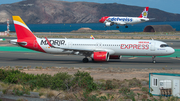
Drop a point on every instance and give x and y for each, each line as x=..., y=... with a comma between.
x=132, y=58
x=59, y=55
x=176, y=58
x=30, y=53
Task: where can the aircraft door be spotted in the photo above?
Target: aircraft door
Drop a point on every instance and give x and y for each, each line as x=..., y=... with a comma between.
x=152, y=45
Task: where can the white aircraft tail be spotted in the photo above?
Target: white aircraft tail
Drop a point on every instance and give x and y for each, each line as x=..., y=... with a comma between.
x=144, y=14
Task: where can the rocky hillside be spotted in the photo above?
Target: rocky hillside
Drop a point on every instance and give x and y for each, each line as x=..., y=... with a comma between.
x=52, y=11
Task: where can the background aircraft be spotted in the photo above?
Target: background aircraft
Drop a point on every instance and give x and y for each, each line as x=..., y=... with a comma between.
x=97, y=49
x=124, y=21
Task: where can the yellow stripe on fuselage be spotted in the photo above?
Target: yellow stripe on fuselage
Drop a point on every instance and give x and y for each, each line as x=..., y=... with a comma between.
x=18, y=18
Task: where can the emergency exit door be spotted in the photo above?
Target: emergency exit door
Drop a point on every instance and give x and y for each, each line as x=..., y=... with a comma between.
x=152, y=46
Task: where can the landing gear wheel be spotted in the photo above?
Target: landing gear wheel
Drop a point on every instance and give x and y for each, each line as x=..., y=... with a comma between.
x=153, y=59
x=126, y=26
x=85, y=60
x=92, y=60
x=117, y=26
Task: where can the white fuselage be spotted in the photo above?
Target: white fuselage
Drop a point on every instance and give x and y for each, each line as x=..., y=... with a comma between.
x=125, y=20
x=112, y=46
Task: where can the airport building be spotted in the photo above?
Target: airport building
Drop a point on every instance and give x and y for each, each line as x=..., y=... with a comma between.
x=159, y=28
x=164, y=84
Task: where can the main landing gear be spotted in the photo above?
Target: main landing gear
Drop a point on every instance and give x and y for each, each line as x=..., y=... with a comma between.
x=85, y=60
x=126, y=26
x=153, y=59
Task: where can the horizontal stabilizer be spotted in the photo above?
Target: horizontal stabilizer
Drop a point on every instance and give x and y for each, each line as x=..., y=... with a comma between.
x=14, y=42
x=152, y=18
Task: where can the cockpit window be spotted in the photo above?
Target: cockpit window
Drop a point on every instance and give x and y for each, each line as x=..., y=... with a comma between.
x=164, y=45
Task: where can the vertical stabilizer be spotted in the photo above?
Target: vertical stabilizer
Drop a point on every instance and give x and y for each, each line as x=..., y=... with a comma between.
x=144, y=14
x=22, y=30
x=25, y=38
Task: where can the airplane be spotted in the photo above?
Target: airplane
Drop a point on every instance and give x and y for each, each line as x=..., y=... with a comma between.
x=92, y=37
x=97, y=49
x=124, y=21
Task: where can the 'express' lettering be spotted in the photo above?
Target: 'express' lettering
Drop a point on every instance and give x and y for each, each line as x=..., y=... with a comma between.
x=135, y=46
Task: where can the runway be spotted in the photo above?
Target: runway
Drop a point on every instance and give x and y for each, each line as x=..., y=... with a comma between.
x=52, y=60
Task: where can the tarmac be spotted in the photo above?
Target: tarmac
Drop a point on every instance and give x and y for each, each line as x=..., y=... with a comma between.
x=17, y=56
x=32, y=59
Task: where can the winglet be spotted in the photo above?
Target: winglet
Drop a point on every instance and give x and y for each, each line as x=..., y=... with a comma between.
x=49, y=43
x=92, y=37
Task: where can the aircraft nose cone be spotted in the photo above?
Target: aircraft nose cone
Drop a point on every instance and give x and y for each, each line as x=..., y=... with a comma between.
x=171, y=51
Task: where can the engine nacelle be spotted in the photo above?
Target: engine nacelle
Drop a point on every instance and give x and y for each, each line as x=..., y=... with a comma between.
x=114, y=57
x=108, y=23
x=100, y=56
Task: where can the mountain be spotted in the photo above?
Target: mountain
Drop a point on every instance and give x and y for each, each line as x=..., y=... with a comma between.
x=52, y=11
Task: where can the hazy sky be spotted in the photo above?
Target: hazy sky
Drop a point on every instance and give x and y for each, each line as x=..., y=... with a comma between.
x=171, y=6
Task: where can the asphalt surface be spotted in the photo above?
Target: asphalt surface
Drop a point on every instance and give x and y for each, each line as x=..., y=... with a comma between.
x=53, y=60
x=49, y=60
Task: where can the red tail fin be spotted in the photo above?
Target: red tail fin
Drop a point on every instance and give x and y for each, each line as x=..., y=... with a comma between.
x=22, y=31
x=25, y=38
x=144, y=14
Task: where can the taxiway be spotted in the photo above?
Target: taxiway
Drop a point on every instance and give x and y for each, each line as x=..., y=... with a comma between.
x=53, y=60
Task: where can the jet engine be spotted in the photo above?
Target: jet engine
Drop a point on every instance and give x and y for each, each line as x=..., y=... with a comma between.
x=108, y=23
x=100, y=56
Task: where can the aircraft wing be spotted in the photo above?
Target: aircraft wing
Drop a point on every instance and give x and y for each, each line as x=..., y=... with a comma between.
x=67, y=49
x=120, y=23
x=87, y=51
